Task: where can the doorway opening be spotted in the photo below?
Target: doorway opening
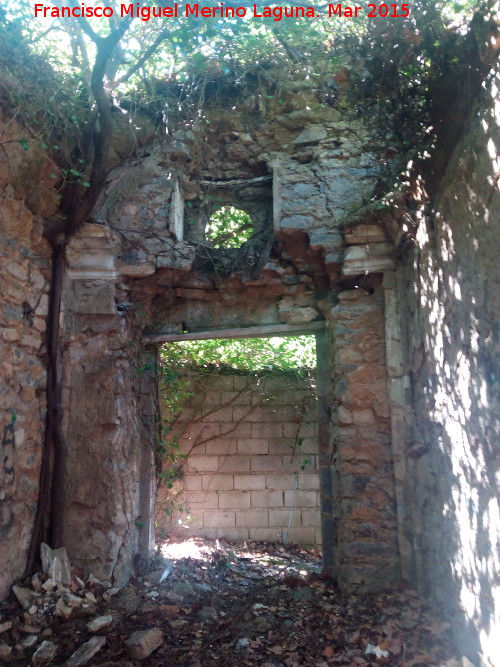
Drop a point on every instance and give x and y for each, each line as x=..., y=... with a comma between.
x=239, y=453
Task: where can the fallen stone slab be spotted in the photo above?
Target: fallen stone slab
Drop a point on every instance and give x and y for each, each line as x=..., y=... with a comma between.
x=46, y=652
x=158, y=576
x=125, y=602
x=183, y=589
x=5, y=626
x=99, y=623
x=142, y=643
x=241, y=644
x=30, y=641
x=49, y=585
x=86, y=652
x=94, y=581
x=62, y=609
x=24, y=596
x=71, y=600
x=5, y=650
x=31, y=629
x=56, y=563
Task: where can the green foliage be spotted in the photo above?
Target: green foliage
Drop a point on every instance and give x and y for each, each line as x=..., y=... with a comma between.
x=47, y=103
x=248, y=354
x=229, y=227
x=179, y=66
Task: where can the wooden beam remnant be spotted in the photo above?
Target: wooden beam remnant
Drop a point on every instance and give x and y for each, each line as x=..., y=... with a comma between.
x=238, y=181
x=266, y=331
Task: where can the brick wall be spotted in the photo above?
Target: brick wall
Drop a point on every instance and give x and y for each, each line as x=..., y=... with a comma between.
x=251, y=470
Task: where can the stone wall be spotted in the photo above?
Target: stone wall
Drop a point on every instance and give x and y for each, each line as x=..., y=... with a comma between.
x=25, y=196
x=449, y=304
x=252, y=466
x=109, y=416
x=361, y=458
x=142, y=269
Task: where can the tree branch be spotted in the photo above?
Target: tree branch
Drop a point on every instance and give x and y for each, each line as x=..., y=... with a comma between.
x=145, y=56
x=102, y=128
x=86, y=27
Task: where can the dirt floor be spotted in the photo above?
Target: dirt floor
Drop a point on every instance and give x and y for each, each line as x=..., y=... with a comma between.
x=219, y=603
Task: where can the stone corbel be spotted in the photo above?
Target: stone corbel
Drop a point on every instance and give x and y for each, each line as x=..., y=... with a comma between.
x=92, y=271
x=369, y=257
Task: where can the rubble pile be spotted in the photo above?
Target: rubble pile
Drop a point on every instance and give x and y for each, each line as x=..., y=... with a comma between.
x=49, y=599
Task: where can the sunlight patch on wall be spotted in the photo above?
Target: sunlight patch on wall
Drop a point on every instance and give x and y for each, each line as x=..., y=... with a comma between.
x=458, y=398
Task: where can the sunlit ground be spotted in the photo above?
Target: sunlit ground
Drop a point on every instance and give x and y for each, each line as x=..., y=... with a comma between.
x=190, y=548
x=232, y=603
x=275, y=558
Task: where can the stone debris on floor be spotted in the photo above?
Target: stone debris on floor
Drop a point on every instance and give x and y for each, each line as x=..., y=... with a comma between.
x=203, y=602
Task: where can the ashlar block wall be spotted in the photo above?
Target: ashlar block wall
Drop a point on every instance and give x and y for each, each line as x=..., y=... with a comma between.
x=251, y=470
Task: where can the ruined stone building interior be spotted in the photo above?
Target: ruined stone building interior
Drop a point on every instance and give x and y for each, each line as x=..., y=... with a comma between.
x=397, y=282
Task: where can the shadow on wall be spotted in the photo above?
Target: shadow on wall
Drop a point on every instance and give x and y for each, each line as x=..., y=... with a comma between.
x=453, y=333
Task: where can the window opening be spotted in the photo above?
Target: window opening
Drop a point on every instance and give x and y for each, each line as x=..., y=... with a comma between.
x=229, y=227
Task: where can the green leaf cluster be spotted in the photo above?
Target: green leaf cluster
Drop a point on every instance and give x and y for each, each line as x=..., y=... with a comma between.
x=229, y=227
x=249, y=354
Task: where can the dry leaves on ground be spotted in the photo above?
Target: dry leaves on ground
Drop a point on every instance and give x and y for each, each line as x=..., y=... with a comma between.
x=228, y=604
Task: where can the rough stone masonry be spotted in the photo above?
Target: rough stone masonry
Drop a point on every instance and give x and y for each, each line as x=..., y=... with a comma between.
x=138, y=269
